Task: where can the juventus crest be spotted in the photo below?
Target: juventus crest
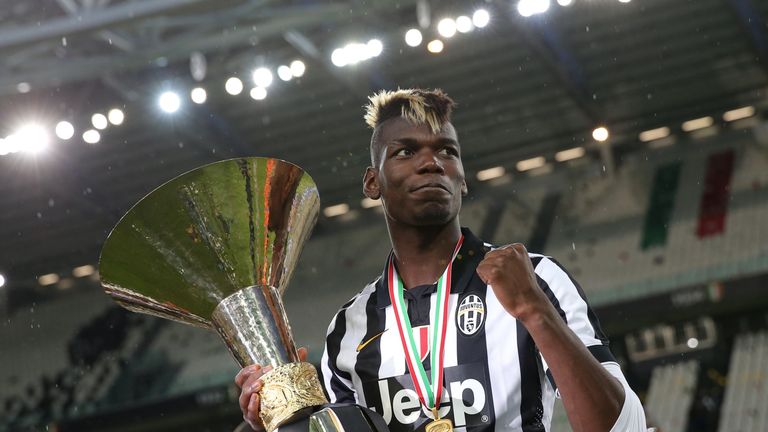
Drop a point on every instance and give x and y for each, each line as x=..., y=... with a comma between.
x=470, y=315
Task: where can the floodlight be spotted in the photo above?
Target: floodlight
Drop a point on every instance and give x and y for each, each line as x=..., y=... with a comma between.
x=169, y=102
x=298, y=68
x=436, y=46
x=65, y=130
x=284, y=73
x=262, y=77
x=99, y=121
x=464, y=24
x=91, y=136
x=600, y=134
x=116, y=116
x=198, y=95
x=234, y=86
x=446, y=27
x=413, y=37
x=481, y=18
x=258, y=93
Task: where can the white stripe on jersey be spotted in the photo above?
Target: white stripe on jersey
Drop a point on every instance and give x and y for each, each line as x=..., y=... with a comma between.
x=356, y=328
x=570, y=301
x=326, y=370
x=392, y=355
x=354, y=332
x=503, y=366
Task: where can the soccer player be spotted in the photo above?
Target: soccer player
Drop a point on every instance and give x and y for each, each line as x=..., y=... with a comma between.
x=457, y=334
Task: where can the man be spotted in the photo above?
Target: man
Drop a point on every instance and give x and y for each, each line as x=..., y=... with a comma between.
x=455, y=330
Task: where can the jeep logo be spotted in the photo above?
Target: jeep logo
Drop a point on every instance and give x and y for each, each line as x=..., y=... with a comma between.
x=464, y=399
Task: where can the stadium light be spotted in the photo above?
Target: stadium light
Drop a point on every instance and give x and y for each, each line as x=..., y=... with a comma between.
x=491, y=173
x=262, y=77
x=699, y=123
x=336, y=210
x=198, y=95
x=528, y=8
x=413, y=37
x=570, y=154
x=464, y=24
x=564, y=2
x=446, y=27
x=370, y=203
x=234, y=86
x=91, y=136
x=258, y=93
x=339, y=57
x=169, y=102
x=2, y=280
x=739, y=113
x=436, y=46
x=654, y=134
x=65, y=130
x=30, y=138
x=284, y=73
x=375, y=47
x=48, y=279
x=116, y=116
x=481, y=18
x=298, y=68
x=99, y=121
x=83, y=271
x=600, y=134
x=529, y=164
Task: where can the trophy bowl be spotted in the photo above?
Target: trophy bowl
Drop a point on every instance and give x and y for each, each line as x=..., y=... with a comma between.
x=215, y=248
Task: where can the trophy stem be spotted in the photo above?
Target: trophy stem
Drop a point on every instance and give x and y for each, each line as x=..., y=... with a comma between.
x=255, y=328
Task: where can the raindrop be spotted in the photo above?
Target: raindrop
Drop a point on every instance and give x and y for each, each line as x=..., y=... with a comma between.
x=64, y=41
x=39, y=215
x=51, y=202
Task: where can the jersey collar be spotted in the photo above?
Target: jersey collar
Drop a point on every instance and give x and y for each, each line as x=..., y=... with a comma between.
x=471, y=253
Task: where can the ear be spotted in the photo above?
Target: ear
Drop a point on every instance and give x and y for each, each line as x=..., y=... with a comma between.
x=371, y=183
x=464, y=189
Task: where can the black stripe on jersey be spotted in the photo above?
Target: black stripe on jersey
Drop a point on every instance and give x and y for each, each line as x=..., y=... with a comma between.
x=333, y=340
x=473, y=349
x=590, y=313
x=531, y=406
x=552, y=298
x=369, y=358
x=601, y=353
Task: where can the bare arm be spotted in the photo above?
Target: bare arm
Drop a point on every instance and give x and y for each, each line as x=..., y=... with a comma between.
x=593, y=398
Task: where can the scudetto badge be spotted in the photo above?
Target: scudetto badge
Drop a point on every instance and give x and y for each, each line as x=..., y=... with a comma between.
x=470, y=315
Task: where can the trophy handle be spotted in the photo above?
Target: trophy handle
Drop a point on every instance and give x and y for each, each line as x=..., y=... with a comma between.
x=254, y=325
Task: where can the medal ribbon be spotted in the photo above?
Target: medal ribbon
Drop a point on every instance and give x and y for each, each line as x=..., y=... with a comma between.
x=429, y=395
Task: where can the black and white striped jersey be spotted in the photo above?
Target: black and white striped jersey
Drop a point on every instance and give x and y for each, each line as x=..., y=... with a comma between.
x=494, y=377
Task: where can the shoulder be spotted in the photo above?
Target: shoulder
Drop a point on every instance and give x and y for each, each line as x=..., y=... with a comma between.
x=353, y=305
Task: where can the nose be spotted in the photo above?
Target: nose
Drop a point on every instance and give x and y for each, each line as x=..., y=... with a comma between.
x=429, y=162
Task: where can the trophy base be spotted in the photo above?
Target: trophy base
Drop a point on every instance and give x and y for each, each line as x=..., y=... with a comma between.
x=290, y=391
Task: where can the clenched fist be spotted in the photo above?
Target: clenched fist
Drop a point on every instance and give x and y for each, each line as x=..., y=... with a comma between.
x=509, y=272
x=248, y=380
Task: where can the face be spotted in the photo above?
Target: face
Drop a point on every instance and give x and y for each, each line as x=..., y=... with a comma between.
x=419, y=176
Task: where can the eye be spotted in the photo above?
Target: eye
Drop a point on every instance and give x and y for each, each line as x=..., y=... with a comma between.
x=451, y=151
x=405, y=151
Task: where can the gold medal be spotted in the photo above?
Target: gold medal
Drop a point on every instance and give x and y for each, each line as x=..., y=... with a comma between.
x=438, y=424
x=443, y=425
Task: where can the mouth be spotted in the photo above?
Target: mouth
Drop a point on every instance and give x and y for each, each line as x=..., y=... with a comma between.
x=431, y=186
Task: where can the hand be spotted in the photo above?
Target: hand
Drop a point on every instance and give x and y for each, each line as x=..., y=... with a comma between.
x=248, y=380
x=509, y=272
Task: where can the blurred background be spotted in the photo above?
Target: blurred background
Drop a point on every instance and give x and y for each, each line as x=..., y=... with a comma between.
x=627, y=139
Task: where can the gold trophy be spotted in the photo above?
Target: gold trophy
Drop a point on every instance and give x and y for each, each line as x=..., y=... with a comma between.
x=215, y=248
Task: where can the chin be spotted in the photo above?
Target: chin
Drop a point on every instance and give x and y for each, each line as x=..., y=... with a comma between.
x=434, y=215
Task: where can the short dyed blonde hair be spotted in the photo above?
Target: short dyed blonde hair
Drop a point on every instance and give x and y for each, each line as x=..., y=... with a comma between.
x=430, y=107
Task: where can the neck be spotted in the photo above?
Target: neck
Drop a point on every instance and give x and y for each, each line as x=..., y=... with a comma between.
x=422, y=253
